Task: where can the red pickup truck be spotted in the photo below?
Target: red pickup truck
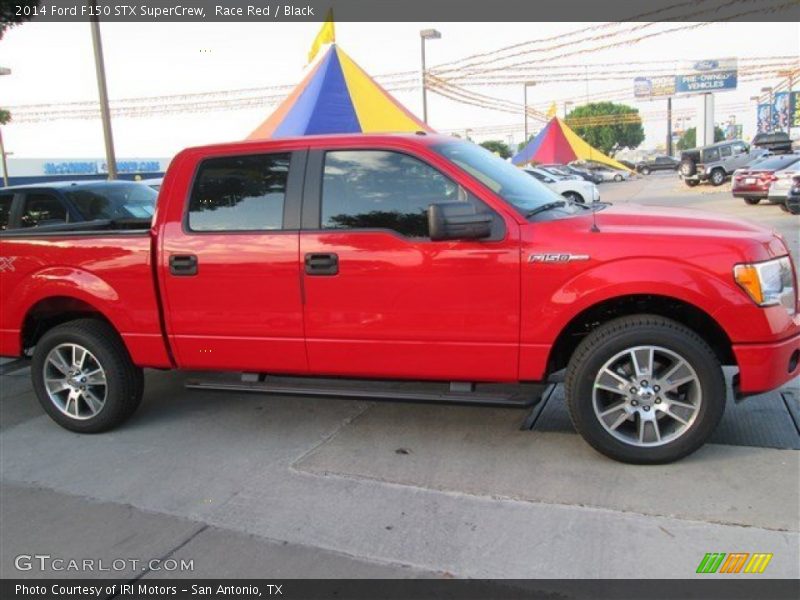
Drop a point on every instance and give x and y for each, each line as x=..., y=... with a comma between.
x=408, y=258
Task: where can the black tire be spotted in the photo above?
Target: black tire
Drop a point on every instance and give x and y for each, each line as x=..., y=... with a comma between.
x=717, y=177
x=613, y=338
x=688, y=167
x=124, y=382
x=644, y=171
x=691, y=182
x=617, y=177
x=752, y=201
x=574, y=197
x=792, y=208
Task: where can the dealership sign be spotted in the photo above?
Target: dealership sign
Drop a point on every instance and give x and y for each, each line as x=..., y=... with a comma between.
x=661, y=86
x=65, y=167
x=703, y=76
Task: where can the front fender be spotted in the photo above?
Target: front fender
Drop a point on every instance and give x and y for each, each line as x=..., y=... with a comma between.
x=550, y=302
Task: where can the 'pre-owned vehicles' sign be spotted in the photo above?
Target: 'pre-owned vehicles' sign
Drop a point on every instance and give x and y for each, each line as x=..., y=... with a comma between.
x=707, y=76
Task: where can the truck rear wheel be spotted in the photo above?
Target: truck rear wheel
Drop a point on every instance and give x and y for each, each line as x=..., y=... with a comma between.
x=645, y=390
x=752, y=201
x=84, y=378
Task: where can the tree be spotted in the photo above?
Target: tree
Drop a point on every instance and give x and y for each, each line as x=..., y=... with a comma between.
x=607, y=126
x=689, y=138
x=498, y=147
x=9, y=16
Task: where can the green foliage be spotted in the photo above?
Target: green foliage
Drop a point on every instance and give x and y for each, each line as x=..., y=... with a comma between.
x=498, y=147
x=689, y=138
x=8, y=13
x=5, y=116
x=611, y=138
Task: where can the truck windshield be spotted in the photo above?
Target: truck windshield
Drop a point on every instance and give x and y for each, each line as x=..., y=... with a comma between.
x=512, y=184
x=114, y=201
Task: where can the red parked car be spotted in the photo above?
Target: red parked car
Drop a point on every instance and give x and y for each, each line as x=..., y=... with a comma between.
x=753, y=182
x=418, y=258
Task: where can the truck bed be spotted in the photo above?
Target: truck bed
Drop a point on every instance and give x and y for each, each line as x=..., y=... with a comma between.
x=80, y=271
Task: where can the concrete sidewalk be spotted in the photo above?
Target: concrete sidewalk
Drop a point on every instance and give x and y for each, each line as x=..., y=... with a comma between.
x=321, y=481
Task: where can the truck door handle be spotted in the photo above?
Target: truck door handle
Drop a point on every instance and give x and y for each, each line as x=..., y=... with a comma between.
x=183, y=264
x=322, y=264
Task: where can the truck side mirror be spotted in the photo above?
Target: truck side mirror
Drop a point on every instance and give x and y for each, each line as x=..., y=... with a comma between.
x=457, y=221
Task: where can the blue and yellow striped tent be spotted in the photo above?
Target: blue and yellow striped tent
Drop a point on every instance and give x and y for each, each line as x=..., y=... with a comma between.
x=337, y=96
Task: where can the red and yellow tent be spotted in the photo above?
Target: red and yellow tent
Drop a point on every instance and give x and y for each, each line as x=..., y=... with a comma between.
x=557, y=143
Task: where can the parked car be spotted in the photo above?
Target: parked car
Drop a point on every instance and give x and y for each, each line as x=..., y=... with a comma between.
x=609, y=174
x=576, y=190
x=753, y=183
x=777, y=142
x=627, y=163
x=66, y=204
x=792, y=203
x=658, y=163
x=558, y=173
x=714, y=163
x=153, y=182
x=584, y=174
x=784, y=177
x=405, y=257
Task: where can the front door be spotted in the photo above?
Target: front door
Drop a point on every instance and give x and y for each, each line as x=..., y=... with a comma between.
x=230, y=269
x=382, y=299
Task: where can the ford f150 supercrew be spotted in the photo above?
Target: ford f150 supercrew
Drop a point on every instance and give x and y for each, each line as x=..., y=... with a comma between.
x=406, y=258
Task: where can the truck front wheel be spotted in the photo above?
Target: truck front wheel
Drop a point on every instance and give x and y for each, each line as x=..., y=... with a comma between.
x=645, y=389
x=84, y=378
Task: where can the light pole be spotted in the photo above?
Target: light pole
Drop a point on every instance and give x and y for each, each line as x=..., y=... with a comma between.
x=525, y=105
x=3, y=154
x=426, y=34
x=105, y=113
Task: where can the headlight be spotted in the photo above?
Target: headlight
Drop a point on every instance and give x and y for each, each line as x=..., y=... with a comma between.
x=768, y=283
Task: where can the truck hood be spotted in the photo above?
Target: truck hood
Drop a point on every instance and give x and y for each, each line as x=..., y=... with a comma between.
x=633, y=218
x=684, y=231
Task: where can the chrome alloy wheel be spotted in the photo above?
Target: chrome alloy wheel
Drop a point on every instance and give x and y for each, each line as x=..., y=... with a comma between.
x=75, y=381
x=647, y=396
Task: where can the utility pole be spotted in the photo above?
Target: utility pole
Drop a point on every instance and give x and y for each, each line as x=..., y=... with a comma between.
x=5, y=164
x=426, y=34
x=768, y=90
x=525, y=106
x=669, y=125
x=105, y=113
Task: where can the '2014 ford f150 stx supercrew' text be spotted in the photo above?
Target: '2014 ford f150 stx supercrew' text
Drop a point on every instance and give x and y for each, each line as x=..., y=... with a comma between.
x=411, y=258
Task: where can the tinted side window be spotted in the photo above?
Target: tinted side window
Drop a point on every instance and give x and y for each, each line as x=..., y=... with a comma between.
x=5, y=210
x=380, y=189
x=725, y=151
x=739, y=148
x=239, y=193
x=711, y=155
x=42, y=209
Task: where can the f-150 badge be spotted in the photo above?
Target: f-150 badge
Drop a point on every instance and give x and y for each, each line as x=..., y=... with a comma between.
x=556, y=257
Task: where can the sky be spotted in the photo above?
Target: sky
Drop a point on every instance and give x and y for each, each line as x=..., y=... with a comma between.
x=53, y=63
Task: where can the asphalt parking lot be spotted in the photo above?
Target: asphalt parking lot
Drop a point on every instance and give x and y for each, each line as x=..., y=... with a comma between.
x=247, y=485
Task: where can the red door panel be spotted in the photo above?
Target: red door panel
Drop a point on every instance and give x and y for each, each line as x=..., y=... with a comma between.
x=413, y=309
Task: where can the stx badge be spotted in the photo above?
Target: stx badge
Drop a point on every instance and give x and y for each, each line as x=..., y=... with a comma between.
x=556, y=257
x=7, y=263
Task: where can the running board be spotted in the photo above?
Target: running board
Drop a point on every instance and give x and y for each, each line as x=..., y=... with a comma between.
x=497, y=395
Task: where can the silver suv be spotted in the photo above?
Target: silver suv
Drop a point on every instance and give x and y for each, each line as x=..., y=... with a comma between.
x=715, y=163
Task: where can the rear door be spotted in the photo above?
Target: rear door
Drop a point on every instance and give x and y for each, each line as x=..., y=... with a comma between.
x=40, y=208
x=229, y=264
x=382, y=299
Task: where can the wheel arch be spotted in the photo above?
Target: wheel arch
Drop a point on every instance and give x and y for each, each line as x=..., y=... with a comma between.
x=51, y=311
x=681, y=311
